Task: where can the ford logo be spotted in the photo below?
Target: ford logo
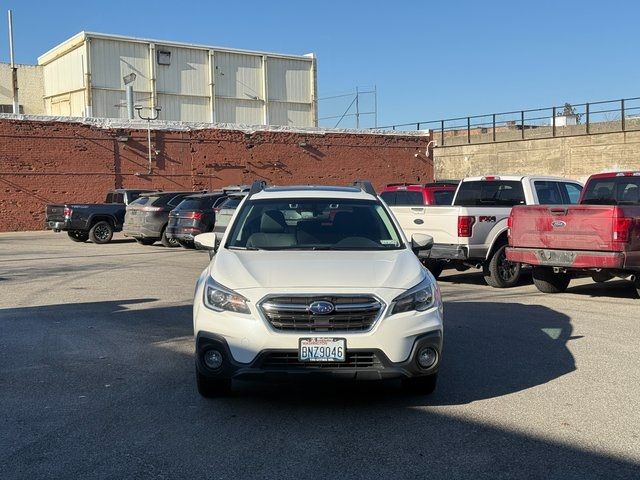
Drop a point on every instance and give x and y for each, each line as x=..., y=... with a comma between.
x=558, y=224
x=321, y=308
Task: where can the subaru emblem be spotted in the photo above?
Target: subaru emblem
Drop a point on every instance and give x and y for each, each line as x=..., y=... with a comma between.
x=321, y=307
x=558, y=224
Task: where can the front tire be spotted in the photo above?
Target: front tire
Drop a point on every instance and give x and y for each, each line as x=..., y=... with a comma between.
x=213, y=387
x=636, y=284
x=502, y=273
x=547, y=281
x=420, y=385
x=78, y=236
x=101, y=232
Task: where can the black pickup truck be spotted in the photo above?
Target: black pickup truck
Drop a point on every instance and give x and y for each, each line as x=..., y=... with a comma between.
x=91, y=221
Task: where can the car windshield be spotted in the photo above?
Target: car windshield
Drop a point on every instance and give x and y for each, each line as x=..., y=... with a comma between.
x=313, y=224
x=624, y=190
x=140, y=201
x=231, y=202
x=490, y=193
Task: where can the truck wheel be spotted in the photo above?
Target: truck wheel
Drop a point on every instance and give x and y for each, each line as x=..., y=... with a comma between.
x=420, y=385
x=78, y=235
x=101, y=232
x=636, y=283
x=547, y=281
x=146, y=241
x=213, y=387
x=501, y=273
x=434, y=266
x=168, y=242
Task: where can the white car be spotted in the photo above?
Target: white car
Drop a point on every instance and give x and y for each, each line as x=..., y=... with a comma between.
x=316, y=280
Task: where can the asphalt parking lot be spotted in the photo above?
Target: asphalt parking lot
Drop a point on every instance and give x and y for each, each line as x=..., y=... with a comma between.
x=97, y=381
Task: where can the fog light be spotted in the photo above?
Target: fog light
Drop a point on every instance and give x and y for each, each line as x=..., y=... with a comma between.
x=212, y=359
x=427, y=357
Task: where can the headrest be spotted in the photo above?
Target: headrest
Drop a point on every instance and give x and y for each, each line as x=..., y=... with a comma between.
x=272, y=221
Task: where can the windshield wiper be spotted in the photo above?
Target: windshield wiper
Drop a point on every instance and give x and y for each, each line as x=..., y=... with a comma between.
x=245, y=248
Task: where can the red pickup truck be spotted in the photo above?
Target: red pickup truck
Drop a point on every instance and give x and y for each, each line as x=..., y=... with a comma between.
x=599, y=237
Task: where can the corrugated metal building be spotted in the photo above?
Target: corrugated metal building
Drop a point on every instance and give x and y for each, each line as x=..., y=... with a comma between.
x=83, y=76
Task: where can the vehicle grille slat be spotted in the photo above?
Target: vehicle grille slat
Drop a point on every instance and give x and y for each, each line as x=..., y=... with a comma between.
x=289, y=360
x=351, y=313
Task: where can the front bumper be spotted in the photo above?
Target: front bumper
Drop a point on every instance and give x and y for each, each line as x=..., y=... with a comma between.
x=261, y=369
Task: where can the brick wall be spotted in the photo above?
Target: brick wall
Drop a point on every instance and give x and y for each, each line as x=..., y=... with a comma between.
x=43, y=162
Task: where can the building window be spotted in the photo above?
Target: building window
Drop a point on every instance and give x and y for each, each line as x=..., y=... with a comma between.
x=9, y=109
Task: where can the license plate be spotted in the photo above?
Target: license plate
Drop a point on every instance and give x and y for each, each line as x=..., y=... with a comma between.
x=322, y=350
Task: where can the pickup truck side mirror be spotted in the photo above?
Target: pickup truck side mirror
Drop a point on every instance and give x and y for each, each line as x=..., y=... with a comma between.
x=421, y=242
x=207, y=241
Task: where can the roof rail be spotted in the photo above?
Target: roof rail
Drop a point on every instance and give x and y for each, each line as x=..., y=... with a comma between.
x=257, y=186
x=365, y=186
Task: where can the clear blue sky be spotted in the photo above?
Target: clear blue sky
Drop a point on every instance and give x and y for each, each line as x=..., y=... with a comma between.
x=428, y=59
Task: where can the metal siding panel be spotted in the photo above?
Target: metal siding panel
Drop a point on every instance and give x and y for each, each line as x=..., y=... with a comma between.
x=76, y=101
x=289, y=80
x=290, y=114
x=65, y=74
x=111, y=60
x=239, y=111
x=238, y=75
x=113, y=103
x=187, y=74
x=184, y=108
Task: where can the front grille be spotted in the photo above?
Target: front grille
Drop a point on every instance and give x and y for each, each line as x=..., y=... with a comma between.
x=351, y=313
x=289, y=360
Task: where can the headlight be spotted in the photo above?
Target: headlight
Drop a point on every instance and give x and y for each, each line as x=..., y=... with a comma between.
x=420, y=298
x=218, y=297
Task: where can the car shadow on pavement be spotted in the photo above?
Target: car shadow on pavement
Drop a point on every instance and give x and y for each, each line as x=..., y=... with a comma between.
x=611, y=288
x=107, y=389
x=475, y=277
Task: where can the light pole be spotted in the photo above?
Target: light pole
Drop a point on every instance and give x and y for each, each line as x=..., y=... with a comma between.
x=148, y=119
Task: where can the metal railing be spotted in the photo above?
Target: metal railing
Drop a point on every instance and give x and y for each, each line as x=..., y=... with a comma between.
x=558, y=121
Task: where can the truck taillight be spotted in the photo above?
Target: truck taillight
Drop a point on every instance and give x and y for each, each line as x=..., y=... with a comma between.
x=509, y=225
x=622, y=228
x=68, y=212
x=465, y=225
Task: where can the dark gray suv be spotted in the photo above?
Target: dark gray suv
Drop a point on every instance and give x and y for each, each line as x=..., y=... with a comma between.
x=146, y=218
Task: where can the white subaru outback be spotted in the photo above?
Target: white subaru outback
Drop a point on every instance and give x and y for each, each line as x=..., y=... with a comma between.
x=316, y=281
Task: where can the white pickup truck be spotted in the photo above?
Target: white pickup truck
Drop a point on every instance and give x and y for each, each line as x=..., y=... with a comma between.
x=472, y=232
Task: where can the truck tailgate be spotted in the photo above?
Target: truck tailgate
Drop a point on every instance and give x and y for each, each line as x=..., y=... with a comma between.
x=563, y=227
x=441, y=222
x=54, y=213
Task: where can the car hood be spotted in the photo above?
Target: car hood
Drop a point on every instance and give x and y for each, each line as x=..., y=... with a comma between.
x=238, y=270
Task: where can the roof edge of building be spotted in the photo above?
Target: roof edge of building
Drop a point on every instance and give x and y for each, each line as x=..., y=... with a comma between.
x=79, y=38
x=116, y=123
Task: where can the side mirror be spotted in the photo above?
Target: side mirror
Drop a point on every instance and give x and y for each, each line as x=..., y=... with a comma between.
x=421, y=242
x=207, y=241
